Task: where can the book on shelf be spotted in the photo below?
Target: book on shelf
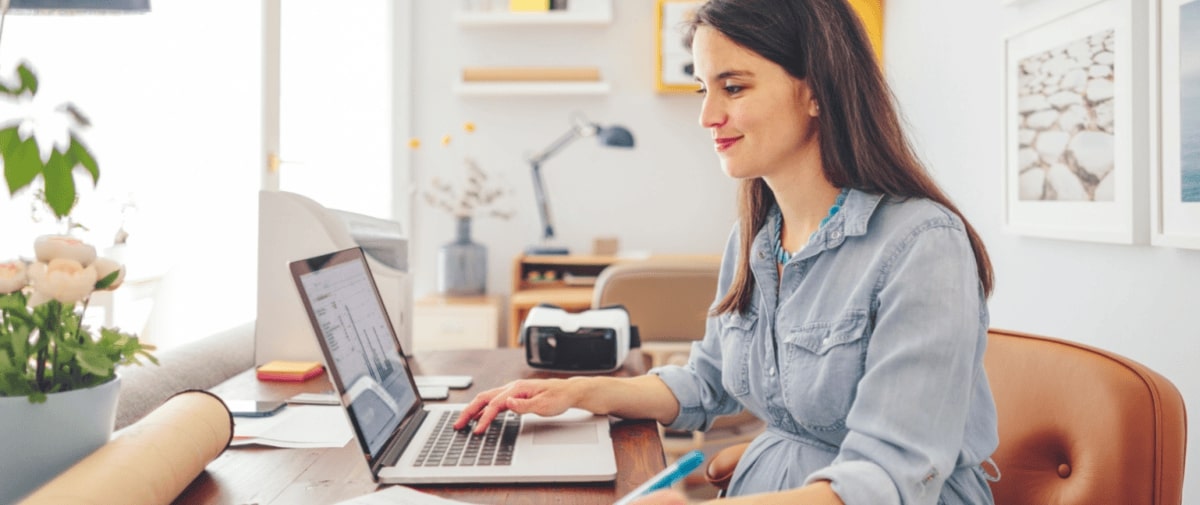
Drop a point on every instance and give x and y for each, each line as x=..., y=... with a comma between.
x=289, y=371
x=528, y=5
x=509, y=74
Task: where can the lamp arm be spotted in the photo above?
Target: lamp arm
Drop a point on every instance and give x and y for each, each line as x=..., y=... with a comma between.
x=539, y=187
x=539, y=192
x=556, y=146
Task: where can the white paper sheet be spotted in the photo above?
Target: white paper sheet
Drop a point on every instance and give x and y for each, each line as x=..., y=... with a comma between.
x=399, y=495
x=297, y=426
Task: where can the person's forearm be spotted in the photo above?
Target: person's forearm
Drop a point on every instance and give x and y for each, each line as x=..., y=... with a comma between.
x=817, y=493
x=643, y=397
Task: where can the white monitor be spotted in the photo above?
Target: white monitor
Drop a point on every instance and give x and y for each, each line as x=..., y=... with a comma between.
x=293, y=227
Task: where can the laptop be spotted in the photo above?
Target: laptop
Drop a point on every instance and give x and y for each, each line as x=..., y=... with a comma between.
x=408, y=441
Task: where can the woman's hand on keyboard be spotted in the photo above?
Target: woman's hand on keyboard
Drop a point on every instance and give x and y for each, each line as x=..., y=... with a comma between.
x=545, y=397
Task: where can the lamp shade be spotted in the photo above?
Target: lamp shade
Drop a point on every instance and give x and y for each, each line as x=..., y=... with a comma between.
x=615, y=136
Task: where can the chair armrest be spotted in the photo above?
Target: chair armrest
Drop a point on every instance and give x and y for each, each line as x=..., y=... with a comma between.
x=720, y=470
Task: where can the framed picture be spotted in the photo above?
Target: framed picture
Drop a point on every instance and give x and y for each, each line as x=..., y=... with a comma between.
x=674, y=62
x=1070, y=171
x=870, y=12
x=674, y=72
x=1175, y=185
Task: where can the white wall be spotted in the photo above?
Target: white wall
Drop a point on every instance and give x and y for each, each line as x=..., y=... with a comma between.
x=668, y=195
x=944, y=59
x=945, y=62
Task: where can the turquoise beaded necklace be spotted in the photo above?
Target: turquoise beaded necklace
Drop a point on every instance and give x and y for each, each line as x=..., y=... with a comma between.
x=781, y=254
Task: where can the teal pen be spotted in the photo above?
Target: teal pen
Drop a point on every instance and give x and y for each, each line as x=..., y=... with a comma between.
x=665, y=478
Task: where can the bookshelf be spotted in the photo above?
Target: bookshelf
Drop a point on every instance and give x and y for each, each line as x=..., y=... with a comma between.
x=571, y=288
x=578, y=13
x=539, y=88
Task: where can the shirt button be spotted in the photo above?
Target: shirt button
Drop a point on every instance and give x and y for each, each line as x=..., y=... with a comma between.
x=771, y=372
x=835, y=234
x=762, y=255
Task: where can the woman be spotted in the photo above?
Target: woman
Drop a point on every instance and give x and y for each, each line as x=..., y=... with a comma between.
x=851, y=312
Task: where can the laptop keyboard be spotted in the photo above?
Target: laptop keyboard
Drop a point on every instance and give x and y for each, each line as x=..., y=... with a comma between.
x=449, y=447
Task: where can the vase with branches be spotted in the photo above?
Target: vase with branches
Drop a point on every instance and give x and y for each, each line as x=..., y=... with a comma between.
x=462, y=263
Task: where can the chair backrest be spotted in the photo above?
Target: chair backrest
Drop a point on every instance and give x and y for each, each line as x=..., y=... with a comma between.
x=1080, y=425
x=667, y=299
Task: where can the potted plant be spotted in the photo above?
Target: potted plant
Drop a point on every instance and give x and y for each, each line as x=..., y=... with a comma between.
x=58, y=381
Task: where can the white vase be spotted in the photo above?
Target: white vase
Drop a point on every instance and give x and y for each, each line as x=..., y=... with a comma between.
x=38, y=441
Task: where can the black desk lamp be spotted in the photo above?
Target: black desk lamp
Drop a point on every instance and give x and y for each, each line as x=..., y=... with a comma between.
x=608, y=136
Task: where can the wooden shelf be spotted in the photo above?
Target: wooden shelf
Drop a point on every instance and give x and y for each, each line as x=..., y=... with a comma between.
x=593, y=12
x=532, y=88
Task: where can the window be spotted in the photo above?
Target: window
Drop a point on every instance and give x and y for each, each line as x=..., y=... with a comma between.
x=174, y=97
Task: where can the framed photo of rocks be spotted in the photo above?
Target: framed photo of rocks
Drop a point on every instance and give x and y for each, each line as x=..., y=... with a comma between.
x=1069, y=154
x=1175, y=185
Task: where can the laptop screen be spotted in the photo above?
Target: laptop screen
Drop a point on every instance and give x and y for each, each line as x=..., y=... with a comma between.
x=359, y=344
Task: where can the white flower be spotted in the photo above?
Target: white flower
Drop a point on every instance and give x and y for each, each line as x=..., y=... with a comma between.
x=104, y=267
x=12, y=276
x=64, y=280
x=50, y=247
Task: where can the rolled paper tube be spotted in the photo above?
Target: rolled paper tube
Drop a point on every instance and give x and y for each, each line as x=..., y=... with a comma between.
x=152, y=460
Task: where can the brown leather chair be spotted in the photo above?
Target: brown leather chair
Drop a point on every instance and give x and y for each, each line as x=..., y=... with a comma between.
x=1078, y=425
x=668, y=300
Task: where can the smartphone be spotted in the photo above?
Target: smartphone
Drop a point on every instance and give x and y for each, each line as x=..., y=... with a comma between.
x=252, y=408
x=450, y=381
x=433, y=392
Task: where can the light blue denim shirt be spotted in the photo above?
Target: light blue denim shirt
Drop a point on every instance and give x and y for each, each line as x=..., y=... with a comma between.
x=865, y=360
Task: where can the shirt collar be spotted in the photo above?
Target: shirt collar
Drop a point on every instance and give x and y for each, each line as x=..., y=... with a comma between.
x=850, y=221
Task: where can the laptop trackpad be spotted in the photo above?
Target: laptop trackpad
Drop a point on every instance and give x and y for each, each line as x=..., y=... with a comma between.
x=564, y=434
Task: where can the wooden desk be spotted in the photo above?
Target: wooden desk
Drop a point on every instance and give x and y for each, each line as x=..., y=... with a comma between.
x=264, y=475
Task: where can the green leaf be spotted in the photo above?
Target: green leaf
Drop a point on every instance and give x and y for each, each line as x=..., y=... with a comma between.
x=19, y=339
x=22, y=162
x=108, y=279
x=12, y=301
x=6, y=364
x=60, y=186
x=29, y=80
x=79, y=153
x=148, y=356
x=94, y=362
x=110, y=337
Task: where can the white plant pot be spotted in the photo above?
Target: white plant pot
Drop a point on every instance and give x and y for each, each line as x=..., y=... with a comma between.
x=40, y=441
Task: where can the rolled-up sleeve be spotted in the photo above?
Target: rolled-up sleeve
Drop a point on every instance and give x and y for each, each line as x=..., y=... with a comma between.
x=697, y=385
x=907, y=423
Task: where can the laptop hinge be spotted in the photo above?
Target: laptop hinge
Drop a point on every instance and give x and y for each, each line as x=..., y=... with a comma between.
x=398, y=443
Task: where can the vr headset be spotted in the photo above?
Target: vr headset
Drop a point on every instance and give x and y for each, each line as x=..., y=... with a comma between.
x=596, y=340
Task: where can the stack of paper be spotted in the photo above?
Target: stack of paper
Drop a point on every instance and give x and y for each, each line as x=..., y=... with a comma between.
x=297, y=426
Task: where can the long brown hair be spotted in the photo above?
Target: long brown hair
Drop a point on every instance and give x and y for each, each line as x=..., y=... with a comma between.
x=862, y=144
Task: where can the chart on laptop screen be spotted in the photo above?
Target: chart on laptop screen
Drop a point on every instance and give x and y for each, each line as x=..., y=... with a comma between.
x=355, y=328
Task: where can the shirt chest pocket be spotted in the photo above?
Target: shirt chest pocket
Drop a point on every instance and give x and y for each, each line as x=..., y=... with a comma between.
x=821, y=366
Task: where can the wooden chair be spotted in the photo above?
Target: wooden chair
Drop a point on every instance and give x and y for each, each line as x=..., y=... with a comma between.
x=1078, y=425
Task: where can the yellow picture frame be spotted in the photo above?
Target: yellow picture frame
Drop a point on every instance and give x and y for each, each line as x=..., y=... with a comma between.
x=672, y=60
